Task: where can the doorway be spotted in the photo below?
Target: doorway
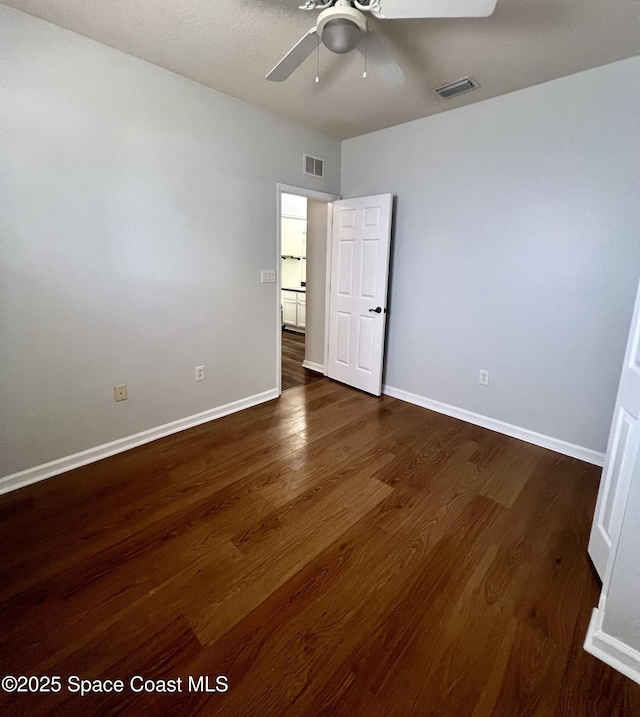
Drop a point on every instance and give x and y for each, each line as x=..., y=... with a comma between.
x=303, y=224
x=294, y=374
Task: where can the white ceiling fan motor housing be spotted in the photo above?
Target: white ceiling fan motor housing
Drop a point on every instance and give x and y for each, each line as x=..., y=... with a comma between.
x=341, y=27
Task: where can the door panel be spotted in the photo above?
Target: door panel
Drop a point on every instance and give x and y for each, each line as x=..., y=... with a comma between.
x=359, y=276
x=347, y=218
x=289, y=312
x=621, y=455
x=624, y=428
x=369, y=268
x=366, y=337
x=345, y=285
x=302, y=314
x=343, y=348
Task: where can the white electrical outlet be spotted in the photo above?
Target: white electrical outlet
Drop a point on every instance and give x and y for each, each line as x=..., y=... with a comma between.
x=484, y=377
x=120, y=392
x=268, y=276
x=199, y=373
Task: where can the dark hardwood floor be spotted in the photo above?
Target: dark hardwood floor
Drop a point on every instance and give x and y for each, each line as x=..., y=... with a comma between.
x=330, y=553
x=292, y=357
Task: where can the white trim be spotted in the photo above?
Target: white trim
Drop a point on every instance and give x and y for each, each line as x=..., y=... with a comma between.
x=300, y=192
x=312, y=366
x=308, y=193
x=610, y=650
x=327, y=285
x=524, y=434
x=61, y=465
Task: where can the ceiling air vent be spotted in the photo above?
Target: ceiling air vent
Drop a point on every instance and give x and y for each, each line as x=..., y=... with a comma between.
x=466, y=84
x=313, y=166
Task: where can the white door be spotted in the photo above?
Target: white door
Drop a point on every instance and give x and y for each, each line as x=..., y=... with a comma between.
x=361, y=235
x=621, y=453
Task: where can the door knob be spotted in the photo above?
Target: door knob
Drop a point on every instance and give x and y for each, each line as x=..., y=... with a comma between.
x=377, y=310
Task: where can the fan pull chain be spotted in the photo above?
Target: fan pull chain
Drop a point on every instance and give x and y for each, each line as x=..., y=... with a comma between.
x=366, y=47
x=318, y=60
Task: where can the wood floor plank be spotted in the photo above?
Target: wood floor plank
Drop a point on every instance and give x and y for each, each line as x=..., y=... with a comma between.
x=510, y=471
x=158, y=554
x=492, y=685
x=322, y=594
x=302, y=538
x=205, y=475
x=151, y=644
x=387, y=649
x=331, y=552
x=293, y=373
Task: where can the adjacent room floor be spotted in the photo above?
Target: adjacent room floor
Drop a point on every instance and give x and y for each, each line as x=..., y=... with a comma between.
x=330, y=553
x=293, y=374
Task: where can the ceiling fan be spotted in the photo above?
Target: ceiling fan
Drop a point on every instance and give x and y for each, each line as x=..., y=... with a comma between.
x=342, y=26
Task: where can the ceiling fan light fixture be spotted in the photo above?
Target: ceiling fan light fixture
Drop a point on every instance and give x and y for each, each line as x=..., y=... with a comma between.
x=341, y=36
x=341, y=27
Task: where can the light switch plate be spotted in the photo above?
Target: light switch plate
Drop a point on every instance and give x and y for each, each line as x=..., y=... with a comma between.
x=268, y=276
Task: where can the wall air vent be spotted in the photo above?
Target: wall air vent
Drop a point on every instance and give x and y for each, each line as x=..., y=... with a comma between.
x=313, y=166
x=466, y=84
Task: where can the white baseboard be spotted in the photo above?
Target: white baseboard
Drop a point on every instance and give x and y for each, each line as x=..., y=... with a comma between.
x=524, y=434
x=61, y=465
x=610, y=650
x=313, y=366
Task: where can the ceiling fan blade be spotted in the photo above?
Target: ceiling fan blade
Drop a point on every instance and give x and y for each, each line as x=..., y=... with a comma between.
x=380, y=61
x=295, y=57
x=405, y=9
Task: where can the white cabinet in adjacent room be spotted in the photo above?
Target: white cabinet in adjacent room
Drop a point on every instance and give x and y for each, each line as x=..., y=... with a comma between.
x=293, y=234
x=290, y=308
x=302, y=310
x=294, y=309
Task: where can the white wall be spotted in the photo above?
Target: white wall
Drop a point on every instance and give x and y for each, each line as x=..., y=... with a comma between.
x=136, y=211
x=316, y=281
x=516, y=249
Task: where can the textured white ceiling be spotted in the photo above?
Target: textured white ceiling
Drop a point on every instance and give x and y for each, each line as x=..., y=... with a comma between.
x=230, y=45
